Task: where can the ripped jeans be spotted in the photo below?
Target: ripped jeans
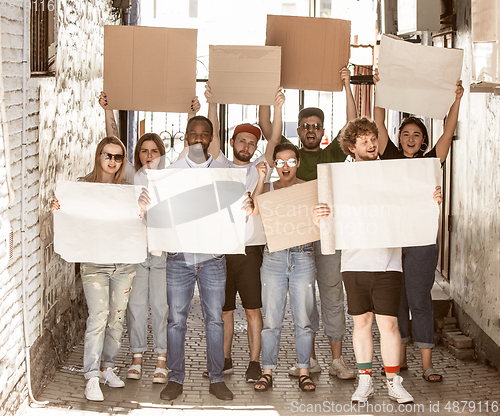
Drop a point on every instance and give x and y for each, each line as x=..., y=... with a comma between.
x=107, y=290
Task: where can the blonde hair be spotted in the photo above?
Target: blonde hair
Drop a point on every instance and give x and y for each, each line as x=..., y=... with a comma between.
x=96, y=174
x=159, y=144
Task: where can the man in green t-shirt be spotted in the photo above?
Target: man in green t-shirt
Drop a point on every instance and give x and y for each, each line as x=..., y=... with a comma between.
x=310, y=131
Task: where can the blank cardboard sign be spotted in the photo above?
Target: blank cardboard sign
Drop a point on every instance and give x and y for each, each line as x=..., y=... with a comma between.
x=150, y=68
x=287, y=215
x=313, y=50
x=485, y=20
x=244, y=74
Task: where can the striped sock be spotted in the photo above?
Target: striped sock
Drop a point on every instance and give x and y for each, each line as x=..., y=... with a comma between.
x=365, y=368
x=391, y=370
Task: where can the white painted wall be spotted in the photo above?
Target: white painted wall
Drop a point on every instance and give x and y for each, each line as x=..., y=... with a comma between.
x=63, y=123
x=475, y=238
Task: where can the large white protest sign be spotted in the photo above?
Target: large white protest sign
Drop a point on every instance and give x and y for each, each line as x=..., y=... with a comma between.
x=98, y=223
x=381, y=203
x=417, y=79
x=197, y=210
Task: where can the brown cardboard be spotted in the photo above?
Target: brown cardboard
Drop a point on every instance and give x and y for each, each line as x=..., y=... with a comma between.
x=485, y=20
x=313, y=50
x=287, y=215
x=150, y=68
x=244, y=74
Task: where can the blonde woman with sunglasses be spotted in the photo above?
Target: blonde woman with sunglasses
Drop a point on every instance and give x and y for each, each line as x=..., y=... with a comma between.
x=290, y=271
x=106, y=286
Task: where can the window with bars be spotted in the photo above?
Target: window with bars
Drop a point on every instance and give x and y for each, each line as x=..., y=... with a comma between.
x=43, y=40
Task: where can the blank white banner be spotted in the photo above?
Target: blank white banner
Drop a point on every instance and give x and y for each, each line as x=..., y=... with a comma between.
x=197, y=210
x=98, y=223
x=417, y=79
x=379, y=204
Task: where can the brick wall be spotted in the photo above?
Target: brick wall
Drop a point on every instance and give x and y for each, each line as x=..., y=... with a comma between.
x=63, y=123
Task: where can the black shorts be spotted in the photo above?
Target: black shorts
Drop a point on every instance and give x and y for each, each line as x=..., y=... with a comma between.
x=377, y=292
x=243, y=276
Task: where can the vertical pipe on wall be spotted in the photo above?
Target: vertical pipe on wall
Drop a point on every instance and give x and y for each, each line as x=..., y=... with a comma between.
x=5, y=128
x=26, y=10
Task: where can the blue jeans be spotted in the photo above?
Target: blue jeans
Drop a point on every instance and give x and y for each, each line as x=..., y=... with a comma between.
x=419, y=267
x=107, y=289
x=183, y=271
x=291, y=270
x=331, y=293
x=148, y=290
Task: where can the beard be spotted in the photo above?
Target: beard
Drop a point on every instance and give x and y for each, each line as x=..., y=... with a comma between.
x=241, y=157
x=310, y=145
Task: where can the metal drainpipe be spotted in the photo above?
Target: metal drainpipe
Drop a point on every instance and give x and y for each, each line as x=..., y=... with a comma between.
x=26, y=7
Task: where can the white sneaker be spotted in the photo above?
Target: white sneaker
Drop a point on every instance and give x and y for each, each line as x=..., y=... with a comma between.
x=313, y=368
x=109, y=376
x=364, y=390
x=397, y=392
x=339, y=368
x=93, y=391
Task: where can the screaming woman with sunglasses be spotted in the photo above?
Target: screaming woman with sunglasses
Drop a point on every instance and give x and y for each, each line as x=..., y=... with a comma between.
x=106, y=286
x=290, y=270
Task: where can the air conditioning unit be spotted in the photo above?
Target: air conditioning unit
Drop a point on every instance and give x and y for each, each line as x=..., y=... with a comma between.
x=416, y=16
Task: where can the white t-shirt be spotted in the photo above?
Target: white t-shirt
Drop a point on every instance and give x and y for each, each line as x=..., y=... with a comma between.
x=254, y=231
x=371, y=259
x=186, y=162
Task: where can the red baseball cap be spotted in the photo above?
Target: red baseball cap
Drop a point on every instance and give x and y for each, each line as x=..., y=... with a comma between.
x=248, y=128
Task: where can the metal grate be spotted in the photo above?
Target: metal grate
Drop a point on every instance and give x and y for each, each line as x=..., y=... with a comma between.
x=39, y=47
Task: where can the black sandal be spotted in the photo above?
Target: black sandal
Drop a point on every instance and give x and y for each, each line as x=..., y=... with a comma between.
x=305, y=381
x=265, y=380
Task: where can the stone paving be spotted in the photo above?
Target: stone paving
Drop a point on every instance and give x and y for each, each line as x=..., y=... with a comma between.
x=468, y=387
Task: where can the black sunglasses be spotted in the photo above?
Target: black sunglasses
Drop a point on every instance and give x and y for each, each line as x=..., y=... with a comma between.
x=306, y=126
x=109, y=156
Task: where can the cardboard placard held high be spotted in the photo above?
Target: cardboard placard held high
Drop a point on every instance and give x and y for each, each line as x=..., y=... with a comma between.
x=313, y=50
x=244, y=74
x=150, y=68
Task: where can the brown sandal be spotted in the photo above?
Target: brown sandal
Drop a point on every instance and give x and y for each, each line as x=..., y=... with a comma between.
x=265, y=380
x=305, y=381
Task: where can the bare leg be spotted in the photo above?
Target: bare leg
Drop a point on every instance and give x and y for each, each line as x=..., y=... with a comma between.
x=402, y=361
x=336, y=348
x=362, y=339
x=390, y=341
x=228, y=318
x=254, y=319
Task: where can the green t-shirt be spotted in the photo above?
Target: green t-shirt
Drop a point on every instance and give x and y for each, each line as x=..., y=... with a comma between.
x=307, y=170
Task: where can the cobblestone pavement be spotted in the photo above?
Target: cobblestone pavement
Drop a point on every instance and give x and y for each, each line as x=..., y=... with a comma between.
x=468, y=387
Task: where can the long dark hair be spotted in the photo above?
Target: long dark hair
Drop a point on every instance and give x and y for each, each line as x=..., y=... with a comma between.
x=420, y=124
